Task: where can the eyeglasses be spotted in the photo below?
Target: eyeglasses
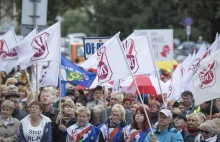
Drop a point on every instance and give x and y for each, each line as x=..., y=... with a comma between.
x=203, y=131
x=33, y=107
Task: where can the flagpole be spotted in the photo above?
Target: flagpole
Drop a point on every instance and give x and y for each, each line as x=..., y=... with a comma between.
x=29, y=84
x=105, y=93
x=60, y=76
x=148, y=120
x=157, y=74
x=37, y=89
x=211, y=109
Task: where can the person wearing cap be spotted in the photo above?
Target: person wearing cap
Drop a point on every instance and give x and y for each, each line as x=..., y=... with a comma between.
x=19, y=114
x=12, y=89
x=208, y=132
x=179, y=121
x=164, y=131
x=98, y=98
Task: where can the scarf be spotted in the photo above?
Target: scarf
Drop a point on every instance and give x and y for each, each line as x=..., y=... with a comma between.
x=193, y=131
x=200, y=138
x=115, y=125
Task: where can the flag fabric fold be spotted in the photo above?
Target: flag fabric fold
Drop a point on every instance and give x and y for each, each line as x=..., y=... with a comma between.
x=206, y=81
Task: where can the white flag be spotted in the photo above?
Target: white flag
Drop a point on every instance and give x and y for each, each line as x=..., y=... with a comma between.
x=215, y=46
x=138, y=53
x=45, y=46
x=7, y=42
x=35, y=73
x=206, y=82
x=185, y=65
x=49, y=76
x=109, y=60
x=201, y=54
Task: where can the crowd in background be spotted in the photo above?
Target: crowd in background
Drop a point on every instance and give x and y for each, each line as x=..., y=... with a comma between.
x=84, y=115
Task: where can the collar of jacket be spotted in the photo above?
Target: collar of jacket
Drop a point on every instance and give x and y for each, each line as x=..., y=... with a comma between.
x=11, y=121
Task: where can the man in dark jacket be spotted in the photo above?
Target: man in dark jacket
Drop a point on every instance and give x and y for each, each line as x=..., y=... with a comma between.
x=19, y=114
x=179, y=121
x=49, y=110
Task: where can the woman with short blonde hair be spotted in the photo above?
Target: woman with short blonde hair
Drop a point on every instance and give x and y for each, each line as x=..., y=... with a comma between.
x=115, y=123
x=9, y=126
x=11, y=81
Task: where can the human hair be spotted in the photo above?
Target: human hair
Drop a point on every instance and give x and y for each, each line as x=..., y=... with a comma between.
x=37, y=103
x=127, y=100
x=68, y=103
x=210, y=126
x=85, y=110
x=26, y=103
x=187, y=93
x=8, y=104
x=120, y=94
x=207, y=110
x=12, y=87
x=177, y=104
x=2, y=87
x=24, y=89
x=11, y=80
x=155, y=102
x=119, y=108
x=45, y=91
x=145, y=126
x=135, y=102
x=198, y=118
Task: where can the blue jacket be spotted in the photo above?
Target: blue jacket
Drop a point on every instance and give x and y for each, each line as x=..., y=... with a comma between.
x=167, y=135
x=47, y=131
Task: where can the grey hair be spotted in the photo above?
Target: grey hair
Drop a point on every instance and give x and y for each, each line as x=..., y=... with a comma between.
x=119, y=93
x=8, y=104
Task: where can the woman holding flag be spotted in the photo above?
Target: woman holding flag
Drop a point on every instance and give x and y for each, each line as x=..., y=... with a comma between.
x=112, y=129
x=138, y=130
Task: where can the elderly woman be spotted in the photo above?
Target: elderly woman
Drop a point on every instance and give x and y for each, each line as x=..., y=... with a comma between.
x=82, y=131
x=112, y=129
x=9, y=126
x=65, y=119
x=208, y=132
x=35, y=127
x=138, y=130
x=193, y=123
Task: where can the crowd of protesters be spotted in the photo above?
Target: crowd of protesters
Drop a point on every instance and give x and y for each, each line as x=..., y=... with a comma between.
x=84, y=115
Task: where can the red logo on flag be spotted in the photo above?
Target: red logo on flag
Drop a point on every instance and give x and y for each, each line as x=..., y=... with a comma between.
x=40, y=47
x=104, y=71
x=207, y=75
x=130, y=51
x=165, y=51
x=5, y=54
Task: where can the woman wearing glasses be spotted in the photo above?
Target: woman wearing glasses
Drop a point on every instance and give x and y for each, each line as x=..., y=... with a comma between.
x=208, y=132
x=35, y=127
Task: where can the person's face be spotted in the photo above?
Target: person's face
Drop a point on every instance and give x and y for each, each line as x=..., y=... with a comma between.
x=163, y=120
x=218, y=103
x=127, y=105
x=134, y=107
x=178, y=122
x=4, y=90
x=98, y=95
x=116, y=116
x=205, y=133
x=28, y=107
x=83, y=119
x=5, y=112
x=76, y=94
x=15, y=100
x=153, y=108
x=115, y=99
x=139, y=117
x=192, y=122
x=182, y=108
x=77, y=105
x=46, y=98
x=170, y=105
x=68, y=110
x=187, y=100
x=11, y=83
x=35, y=110
x=22, y=95
x=133, y=97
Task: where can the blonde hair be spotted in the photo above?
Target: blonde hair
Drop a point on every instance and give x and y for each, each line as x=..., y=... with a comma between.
x=11, y=79
x=68, y=102
x=210, y=126
x=198, y=118
x=85, y=110
x=119, y=108
x=8, y=104
x=1, y=88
